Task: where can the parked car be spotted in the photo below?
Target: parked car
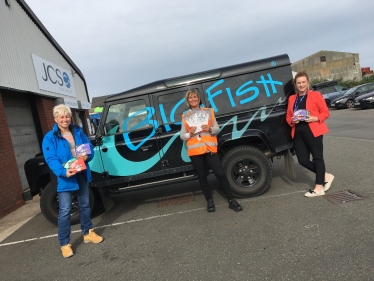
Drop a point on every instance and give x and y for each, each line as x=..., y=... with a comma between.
x=365, y=101
x=332, y=96
x=347, y=100
x=328, y=87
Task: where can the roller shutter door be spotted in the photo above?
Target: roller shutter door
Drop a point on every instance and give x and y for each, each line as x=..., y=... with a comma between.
x=22, y=129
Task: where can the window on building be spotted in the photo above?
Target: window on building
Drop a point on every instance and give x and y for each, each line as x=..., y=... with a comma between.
x=323, y=58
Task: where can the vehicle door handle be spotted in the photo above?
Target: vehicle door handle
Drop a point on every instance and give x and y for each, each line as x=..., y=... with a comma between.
x=145, y=148
x=104, y=149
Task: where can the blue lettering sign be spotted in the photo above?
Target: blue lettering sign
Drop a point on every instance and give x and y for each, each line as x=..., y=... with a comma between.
x=146, y=121
x=240, y=92
x=271, y=82
x=211, y=96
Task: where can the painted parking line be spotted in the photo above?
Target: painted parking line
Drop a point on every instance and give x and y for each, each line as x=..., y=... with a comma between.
x=151, y=218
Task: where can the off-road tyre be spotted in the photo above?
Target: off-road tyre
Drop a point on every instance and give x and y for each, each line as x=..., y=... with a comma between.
x=49, y=205
x=248, y=171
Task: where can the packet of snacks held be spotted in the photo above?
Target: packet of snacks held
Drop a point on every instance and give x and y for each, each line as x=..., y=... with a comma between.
x=75, y=165
x=301, y=115
x=82, y=150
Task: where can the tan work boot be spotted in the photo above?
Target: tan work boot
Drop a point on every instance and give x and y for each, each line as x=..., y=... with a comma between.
x=67, y=251
x=92, y=237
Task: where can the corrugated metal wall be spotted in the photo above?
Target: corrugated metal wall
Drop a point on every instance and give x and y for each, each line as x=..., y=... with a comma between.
x=19, y=38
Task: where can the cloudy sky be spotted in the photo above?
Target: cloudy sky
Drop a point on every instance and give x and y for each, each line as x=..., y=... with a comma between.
x=123, y=44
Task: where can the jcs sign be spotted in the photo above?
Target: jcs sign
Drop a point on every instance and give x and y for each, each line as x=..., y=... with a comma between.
x=53, y=78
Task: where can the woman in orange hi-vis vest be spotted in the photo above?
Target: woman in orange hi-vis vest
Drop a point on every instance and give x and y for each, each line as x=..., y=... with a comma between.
x=199, y=130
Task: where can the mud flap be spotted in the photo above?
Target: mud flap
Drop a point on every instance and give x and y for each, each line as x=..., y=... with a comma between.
x=289, y=165
x=106, y=198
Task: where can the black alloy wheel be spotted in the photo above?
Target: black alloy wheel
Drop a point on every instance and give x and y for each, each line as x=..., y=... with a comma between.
x=248, y=171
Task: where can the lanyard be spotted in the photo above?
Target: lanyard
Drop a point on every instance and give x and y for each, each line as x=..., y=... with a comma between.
x=297, y=102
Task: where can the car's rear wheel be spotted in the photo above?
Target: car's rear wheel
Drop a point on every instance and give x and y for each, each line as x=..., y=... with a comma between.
x=349, y=103
x=248, y=171
x=49, y=205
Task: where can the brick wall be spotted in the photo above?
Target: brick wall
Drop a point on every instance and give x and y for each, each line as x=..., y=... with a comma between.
x=10, y=183
x=45, y=108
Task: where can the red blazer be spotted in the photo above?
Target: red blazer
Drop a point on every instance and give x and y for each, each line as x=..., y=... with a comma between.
x=316, y=105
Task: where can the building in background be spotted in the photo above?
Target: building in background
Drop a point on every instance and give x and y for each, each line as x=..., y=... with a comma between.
x=35, y=75
x=366, y=72
x=329, y=65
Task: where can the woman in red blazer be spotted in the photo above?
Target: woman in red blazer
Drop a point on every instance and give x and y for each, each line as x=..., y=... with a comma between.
x=308, y=135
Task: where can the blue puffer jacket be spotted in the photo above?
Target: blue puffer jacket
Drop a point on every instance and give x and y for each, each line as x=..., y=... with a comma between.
x=57, y=152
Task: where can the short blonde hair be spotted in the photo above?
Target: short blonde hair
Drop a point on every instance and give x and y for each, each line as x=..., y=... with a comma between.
x=61, y=109
x=193, y=91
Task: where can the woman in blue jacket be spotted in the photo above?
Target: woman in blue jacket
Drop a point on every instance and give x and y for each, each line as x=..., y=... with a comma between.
x=59, y=147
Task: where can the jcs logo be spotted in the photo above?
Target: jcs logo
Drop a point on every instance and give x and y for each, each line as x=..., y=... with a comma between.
x=54, y=75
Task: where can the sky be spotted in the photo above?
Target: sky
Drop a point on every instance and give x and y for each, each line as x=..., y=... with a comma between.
x=123, y=44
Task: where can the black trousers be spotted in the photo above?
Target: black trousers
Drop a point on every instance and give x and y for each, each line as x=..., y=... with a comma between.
x=305, y=144
x=215, y=164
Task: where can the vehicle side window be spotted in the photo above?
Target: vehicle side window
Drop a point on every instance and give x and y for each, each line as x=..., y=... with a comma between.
x=172, y=106
x=128, y=116
x=371, y=87
x=361, y=90
x=325, y=90
x=338, y=88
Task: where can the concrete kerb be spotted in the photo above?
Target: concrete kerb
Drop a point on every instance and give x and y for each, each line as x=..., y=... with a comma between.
x=10, y=223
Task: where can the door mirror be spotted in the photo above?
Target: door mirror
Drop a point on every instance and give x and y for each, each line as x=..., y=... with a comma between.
x=99, y=134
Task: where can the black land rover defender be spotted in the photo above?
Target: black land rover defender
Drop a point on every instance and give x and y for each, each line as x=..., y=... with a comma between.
x=137, y=144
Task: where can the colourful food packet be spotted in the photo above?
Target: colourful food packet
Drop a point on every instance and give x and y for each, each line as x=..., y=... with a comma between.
x=301, y=115
x=82, y=150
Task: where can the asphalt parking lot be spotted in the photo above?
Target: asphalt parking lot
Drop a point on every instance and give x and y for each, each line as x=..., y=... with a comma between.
x=280, y=235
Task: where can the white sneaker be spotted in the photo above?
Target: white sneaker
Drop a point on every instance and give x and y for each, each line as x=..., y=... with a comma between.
x=328, y=183
x=311, y=193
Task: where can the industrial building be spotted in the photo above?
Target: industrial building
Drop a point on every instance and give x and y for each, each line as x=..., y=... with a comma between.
x=35, y=75
x=329, y=65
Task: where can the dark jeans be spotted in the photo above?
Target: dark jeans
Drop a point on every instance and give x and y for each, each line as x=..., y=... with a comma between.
x=305, y=144
x=215, y=164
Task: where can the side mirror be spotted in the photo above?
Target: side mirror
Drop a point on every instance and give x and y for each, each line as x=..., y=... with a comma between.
x=101, y=130
x=99, y=134
x=98, y=141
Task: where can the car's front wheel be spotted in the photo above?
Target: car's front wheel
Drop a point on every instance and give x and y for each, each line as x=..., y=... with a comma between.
x=248, y=171
x=49, y=205
x=328, y=103
x=350, y=103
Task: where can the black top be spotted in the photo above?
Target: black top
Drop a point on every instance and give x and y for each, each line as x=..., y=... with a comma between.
x=300, y=103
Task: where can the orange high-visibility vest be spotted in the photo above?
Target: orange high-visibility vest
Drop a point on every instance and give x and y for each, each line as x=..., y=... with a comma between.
x=207, y=142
